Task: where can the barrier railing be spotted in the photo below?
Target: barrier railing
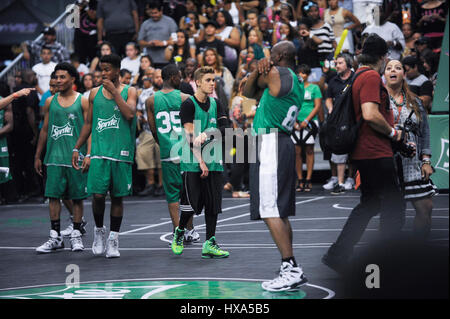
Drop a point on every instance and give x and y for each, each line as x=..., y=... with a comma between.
x=64, y=35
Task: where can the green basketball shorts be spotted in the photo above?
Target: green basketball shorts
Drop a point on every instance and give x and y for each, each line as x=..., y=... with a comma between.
x=65, y=182
x=113, y=176
x=172, y=181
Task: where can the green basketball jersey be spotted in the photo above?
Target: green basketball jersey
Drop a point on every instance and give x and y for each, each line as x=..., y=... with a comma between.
x=168, y=124
x=64, y=128
x=211, y=152
x=279, y=112
x=113, y=136
x=3, y=141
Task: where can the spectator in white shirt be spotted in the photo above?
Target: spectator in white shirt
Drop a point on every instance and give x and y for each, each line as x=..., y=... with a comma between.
x=44, y=70
x=132, y=61
x=390, y=33
x=82, y=69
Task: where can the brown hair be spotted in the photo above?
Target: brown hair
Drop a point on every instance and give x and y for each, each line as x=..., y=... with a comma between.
x=411, y=100
x=200, y=72
x=218, y=65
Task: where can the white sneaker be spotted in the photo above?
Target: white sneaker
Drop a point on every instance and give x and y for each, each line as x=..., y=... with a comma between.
x=99, y=244
x=75, y=241
x=290, y=278
x=53, y=243
x=349, y=183
x=191, y=236
x=330, y=183
x=68, y=231
x=112, y=246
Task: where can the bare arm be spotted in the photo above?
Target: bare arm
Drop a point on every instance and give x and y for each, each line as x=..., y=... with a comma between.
x=7, y=100
x=136, y=21
x=128, y=107
x=375, y=119
x=42, y=138
x=329, y=104
x=100, y=30
x=350, y=16
x=8, y=121
x=150, y=106
x=189, y=131
x=87, y=159
x=86, y=130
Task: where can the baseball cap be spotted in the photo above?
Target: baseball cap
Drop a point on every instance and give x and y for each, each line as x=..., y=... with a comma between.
x=422, y=40
x=211, y=22
x=50, y=31
x=374, y=45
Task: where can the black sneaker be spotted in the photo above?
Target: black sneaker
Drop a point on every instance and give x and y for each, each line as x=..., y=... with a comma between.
x=338, y=189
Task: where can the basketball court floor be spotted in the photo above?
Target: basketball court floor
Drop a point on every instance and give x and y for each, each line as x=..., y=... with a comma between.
x=147, y=268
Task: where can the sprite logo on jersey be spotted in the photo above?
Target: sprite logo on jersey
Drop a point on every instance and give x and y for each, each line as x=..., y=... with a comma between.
x=58, y=131
x=112, y=122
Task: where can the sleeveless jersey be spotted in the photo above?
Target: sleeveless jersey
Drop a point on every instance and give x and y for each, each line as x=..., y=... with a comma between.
x=3, y=141
x=64, y=128
x=168, y=124
x=113, y=136
x=279, y=112
x=211, y=152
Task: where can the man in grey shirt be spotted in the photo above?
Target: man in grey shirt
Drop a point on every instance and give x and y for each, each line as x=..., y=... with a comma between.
x=155, y=33
x=119, y=21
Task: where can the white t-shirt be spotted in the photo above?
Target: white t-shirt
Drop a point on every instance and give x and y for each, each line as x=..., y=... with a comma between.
x=43, y=73
x=388, y=32
x=131, y=65
x=82, y=69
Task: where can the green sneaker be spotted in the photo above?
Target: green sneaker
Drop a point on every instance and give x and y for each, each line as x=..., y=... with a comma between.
x=177, y=241
x=212, y=250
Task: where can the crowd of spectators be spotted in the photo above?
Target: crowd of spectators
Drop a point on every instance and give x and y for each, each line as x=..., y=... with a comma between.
x=230, y=36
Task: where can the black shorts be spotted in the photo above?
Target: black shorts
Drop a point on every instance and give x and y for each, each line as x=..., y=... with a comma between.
x=273, y=177
x=198, y=193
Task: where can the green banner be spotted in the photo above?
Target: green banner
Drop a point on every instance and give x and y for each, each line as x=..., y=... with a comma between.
x=439, y=149
x=440, y=101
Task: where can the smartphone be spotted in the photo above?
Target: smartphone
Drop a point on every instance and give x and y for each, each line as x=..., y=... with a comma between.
x=174, y=37
x=187, y=20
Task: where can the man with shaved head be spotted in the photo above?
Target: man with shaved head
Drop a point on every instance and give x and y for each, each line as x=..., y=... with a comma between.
x=272, y=184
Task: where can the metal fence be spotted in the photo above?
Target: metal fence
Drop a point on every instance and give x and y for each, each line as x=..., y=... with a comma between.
x=64, y=35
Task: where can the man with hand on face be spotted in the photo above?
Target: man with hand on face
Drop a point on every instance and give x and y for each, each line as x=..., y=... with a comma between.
x=201, y=162
x=112, y=122
x=65, y=114
x=275, y=158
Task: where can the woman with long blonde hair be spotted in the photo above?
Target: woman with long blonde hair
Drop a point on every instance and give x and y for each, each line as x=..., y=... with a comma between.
x=415, y=171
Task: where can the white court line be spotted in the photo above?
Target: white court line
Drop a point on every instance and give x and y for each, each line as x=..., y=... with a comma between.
x=170, y=222
x=338, y=206
x=164, y=237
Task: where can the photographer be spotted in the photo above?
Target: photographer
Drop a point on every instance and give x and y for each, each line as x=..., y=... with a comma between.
x=414, y=172
x=372, y=156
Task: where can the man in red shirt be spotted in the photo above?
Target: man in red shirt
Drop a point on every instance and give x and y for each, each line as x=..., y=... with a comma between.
x=372, y=156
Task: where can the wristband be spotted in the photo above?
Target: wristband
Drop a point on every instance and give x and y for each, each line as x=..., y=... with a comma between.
x=75, y=150
x=307, y=122
x=88, y=155
x=15, y=96
x=165, y=43
x=393, y=133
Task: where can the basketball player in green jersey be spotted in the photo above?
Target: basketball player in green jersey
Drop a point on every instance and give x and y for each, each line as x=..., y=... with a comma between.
x=64, y=116
x=163, y=114
x=272, y=181
x=201, y=162
x=112, y=122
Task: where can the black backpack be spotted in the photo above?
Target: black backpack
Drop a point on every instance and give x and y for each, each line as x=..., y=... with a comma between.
x=339, y=131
